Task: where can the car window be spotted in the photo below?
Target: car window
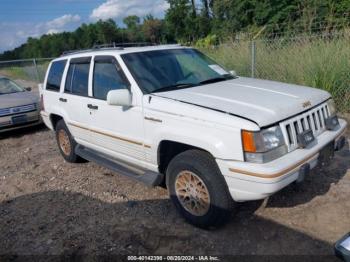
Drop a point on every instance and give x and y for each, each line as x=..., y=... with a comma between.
x=77, y=81
x=55, y=75
x=107, y=76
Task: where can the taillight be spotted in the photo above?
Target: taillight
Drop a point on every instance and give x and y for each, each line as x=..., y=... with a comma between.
x=42, y=102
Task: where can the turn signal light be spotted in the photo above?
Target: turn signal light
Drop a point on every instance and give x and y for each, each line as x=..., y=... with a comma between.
x=248, y=141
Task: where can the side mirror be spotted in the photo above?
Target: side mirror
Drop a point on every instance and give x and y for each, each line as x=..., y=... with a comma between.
x=121, y=97
x=28, y=89
x=233, y=73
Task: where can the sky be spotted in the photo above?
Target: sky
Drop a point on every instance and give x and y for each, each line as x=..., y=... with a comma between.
x=20, y=19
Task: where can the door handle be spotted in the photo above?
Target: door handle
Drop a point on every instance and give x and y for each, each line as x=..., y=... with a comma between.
x=63, y=100
x=92, y=106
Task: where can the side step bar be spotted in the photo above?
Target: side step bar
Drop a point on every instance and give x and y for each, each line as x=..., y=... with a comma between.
x=147, y=177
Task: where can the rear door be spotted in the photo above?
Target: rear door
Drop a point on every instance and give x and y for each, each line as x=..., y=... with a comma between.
x=51, y=92
x=115, y=130
x=76, y=97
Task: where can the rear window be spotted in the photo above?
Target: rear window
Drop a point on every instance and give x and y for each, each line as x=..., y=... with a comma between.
x=55, y=75
x=77, y=82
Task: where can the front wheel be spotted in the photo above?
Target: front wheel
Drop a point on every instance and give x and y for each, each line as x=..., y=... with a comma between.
x=198, y=189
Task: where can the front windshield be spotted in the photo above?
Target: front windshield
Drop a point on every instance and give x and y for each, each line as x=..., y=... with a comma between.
x=8, y=87
x=165, y=70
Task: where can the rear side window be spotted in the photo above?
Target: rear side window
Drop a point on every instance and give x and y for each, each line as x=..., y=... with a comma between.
x=77, y=81
x=107, y=76
x=55, y=75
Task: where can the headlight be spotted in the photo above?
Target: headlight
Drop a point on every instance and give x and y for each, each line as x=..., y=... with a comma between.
x=331, y=107
x=263, y=146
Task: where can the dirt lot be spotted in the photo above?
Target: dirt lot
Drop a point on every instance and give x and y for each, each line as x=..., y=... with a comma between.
x=48, y=206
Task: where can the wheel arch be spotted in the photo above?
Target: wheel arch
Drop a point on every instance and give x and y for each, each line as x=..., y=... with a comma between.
x=54, y=118
x=168, y=149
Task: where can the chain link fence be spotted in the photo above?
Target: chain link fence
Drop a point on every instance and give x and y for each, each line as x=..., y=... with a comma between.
x=28, y=70
x=321, y=61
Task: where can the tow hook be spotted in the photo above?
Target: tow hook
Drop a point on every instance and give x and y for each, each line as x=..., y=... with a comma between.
x=340, y=143
x=303, y=172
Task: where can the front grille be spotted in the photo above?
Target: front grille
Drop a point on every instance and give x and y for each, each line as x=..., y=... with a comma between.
x=313, y=119
x=17, y=110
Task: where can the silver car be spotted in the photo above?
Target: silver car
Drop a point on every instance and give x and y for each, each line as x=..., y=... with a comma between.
x=19, y=107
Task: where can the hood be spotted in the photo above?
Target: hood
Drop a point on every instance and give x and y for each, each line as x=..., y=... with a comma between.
x=264, y=102
x=18, y=99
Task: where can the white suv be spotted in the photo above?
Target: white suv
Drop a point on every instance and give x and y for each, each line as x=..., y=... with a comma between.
x=170, y=116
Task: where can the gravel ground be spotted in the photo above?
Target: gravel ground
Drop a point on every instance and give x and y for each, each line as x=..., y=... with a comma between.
x=48, y=206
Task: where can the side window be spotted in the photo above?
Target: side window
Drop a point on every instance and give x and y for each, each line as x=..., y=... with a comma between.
x=77, y=82
x=55, y=75
x=107, y=76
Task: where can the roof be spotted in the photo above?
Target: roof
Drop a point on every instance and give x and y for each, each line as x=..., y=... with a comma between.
x=116, y=50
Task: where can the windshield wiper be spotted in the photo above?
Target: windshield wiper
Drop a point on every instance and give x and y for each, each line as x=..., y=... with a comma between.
x=214, y=80
x=8, y=93
x=174, y=87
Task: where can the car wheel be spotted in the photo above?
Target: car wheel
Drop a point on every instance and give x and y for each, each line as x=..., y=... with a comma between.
x=198, y=189
x=66, y=143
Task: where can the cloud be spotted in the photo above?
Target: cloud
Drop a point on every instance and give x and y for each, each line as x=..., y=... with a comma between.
x=14, y=34
x=118, y=9
x=60, y=22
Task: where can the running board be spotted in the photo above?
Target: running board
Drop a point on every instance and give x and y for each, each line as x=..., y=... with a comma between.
x=147, y=177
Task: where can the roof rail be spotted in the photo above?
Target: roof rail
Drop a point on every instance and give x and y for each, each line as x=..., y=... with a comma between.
x=115, y=45
x=103, y=47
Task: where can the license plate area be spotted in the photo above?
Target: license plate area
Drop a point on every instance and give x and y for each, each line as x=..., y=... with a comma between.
x=16, y=120
x=306, y=138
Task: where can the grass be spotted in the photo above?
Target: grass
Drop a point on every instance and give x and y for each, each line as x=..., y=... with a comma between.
x=317, y=62
x=15, y=73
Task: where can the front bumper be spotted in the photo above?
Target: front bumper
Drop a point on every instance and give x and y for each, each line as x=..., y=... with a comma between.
x=250, y=181
x=33, y=118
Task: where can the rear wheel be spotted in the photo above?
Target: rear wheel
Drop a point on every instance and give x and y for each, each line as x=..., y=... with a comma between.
x=66, y=143
x=198, y=189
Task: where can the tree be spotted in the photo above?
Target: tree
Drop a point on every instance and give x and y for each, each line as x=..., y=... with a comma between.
x=152, y=29
x=134, y=32
x=132, y=22
x=177, y=19
x=194, y=11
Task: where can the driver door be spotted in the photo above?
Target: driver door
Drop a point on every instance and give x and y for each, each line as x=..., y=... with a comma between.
x=115, y=130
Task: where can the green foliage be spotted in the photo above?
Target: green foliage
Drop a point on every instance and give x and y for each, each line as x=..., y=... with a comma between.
x=153, y=29
x=15, y=73
x=207, y=42
x=193, y=20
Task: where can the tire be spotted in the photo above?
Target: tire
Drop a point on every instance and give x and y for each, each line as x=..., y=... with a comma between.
x=215, y=203
x=66, y=143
